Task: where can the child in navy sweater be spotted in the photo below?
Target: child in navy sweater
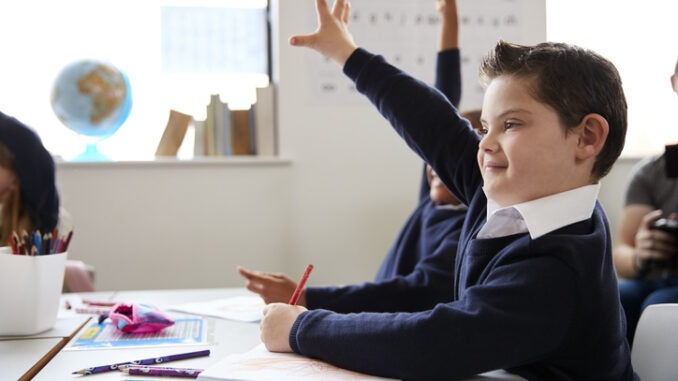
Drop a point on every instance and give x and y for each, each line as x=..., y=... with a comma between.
x=535, y=290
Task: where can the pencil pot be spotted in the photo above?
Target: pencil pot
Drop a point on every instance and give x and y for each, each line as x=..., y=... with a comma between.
x=29, y=302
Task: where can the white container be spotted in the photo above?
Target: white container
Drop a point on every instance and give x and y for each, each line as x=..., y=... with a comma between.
x=31, y=289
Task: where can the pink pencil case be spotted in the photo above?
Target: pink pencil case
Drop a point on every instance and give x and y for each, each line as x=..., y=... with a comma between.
x=138, y=318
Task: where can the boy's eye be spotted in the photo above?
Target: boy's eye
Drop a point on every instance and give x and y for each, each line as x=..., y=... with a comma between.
x=482, y=131
x=509, y=124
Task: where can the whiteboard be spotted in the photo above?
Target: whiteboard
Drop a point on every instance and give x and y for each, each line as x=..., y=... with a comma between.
x=406, y=33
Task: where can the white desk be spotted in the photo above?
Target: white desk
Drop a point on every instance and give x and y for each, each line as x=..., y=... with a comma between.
x=17, y=357
x=23, y=356
x=229, y=336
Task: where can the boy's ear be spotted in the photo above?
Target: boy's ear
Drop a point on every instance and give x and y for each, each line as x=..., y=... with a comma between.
x=593, y=131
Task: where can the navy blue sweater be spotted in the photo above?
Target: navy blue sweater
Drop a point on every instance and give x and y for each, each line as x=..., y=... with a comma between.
x=545, y=308
x=417, y=271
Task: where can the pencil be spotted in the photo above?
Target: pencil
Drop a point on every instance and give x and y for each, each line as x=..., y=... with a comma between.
x=301, y=284
x=101, y=303
x=148, y=361
x=160, y=371
x=92, y=310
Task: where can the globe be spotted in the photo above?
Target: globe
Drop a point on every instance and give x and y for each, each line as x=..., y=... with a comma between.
x=93, y=99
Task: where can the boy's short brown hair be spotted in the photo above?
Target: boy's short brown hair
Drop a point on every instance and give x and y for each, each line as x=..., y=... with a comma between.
x=573, y=81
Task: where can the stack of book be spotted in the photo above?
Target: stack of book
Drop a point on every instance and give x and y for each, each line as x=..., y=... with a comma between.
x=226, y=131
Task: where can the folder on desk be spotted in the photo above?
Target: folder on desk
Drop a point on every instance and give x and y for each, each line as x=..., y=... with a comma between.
x=259, y=364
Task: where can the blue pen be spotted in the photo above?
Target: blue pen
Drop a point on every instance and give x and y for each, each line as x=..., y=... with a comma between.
x=37, y=241
x=56, y=244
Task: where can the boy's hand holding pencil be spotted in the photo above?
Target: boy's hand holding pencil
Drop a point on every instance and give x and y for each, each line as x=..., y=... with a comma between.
x=277, y=324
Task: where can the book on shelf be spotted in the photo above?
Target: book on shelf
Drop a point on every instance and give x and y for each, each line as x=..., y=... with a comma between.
x=264, y=111
x=226, y=132
x=240, y=132
x=259, y=364
x=199, y=127
x=210, y=126
x=174, y=134
x=222, y=126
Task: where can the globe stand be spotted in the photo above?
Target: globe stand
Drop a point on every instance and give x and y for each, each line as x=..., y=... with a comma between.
x=91, y=153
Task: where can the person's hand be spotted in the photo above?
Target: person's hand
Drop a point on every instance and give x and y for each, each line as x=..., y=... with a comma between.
x=446, y=6
x=277, y=324
x=652, y=244
x=332, y=38
x=273, y=288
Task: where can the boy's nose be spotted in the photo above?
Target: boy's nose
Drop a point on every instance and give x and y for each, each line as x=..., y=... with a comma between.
x=488, y=143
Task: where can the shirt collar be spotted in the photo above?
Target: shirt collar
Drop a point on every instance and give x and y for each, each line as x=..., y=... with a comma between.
x=543, y=215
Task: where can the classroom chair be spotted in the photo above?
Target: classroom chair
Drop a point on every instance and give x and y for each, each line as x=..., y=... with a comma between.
x=655, y=344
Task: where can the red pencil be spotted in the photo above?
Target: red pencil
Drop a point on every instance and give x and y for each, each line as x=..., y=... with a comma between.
x=300, y=285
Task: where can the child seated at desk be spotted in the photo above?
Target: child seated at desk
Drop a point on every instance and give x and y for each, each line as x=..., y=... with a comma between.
x=535, y=291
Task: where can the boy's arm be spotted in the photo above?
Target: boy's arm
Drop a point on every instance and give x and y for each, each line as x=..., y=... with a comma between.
x=430, y=282
x=426, y=120
x=485, y=330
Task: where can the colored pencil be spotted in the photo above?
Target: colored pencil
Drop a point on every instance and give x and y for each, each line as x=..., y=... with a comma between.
x=92, y=310
x=148, y=361
x=301, y=284
x=160, y=371
x=102, y=303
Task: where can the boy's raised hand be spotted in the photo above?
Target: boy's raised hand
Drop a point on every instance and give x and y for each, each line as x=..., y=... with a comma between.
x=271, y=287
x=332, y=38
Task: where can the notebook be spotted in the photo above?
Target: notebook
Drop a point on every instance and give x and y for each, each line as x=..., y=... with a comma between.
x=259, y=364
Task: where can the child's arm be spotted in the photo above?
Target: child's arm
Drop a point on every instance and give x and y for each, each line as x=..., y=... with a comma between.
x=448, y=64
x=449, y=31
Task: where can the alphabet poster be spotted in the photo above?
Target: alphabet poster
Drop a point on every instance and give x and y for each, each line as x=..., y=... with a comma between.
x=407, y=34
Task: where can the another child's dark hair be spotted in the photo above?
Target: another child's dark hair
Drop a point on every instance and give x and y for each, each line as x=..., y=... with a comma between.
x=573, y=81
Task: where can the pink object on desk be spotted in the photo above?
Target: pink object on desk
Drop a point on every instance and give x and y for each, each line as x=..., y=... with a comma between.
x=138, y=318
x=77, y=278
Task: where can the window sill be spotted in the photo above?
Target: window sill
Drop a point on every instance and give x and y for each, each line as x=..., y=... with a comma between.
x=205, y=161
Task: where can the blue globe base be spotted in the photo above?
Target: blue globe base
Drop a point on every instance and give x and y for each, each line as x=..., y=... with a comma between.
x=91, y=154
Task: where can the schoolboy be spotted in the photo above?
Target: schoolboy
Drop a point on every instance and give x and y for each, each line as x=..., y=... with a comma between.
x=535, y=288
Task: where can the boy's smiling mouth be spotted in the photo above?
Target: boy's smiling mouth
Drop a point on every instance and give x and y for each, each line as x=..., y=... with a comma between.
x=490, y=165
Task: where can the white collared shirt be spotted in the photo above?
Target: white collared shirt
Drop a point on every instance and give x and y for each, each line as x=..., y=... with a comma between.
x=540, y=216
